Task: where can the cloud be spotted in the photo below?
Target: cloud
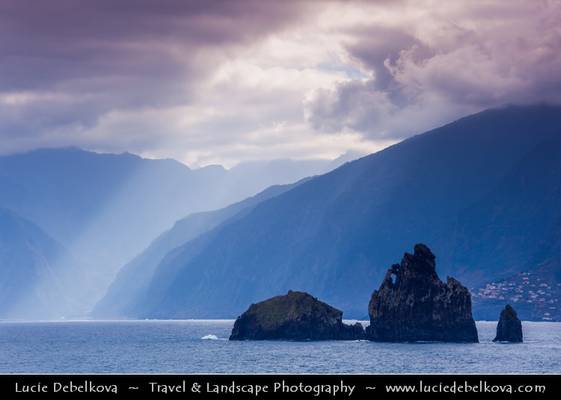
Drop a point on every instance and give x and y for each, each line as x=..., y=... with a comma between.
x=46, y=45
x=431, y=64
x=230, y=81
x=66, y=64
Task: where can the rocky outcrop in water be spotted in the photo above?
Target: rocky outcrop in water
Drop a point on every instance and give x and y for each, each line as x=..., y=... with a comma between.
x=509, y=328
x=294, y=316
x=413, y=304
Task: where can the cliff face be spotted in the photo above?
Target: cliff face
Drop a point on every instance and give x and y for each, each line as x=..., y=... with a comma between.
x=509, y=328
x=413, y=304
x=294, y=316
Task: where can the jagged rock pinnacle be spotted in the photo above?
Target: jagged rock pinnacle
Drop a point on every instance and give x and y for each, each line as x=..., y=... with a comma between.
x=413, y=304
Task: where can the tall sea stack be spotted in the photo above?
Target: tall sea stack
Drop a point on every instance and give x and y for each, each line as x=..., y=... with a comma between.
x=509, y=328
x=413, y=304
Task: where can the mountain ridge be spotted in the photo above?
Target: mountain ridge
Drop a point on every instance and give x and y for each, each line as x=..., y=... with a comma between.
x=132, y=279
x=336, y=232
x=34, y=268
x=106, y=208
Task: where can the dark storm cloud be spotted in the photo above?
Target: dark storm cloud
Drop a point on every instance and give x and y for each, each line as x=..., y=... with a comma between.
x=375, y=44
x=43, y=43
x=209, y=77
x=457, y=58
x=70, y=62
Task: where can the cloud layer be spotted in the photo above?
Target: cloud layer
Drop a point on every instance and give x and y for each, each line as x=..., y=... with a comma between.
x=228, y=81
x=429, y=64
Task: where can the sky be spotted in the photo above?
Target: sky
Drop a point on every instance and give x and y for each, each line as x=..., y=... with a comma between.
x=222, y=82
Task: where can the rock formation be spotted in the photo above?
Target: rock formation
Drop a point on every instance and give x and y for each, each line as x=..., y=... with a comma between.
x=294, y=316
x=509, y=328
x=413, y=304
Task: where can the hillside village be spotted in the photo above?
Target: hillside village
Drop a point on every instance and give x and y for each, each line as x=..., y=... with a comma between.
x=528, y=290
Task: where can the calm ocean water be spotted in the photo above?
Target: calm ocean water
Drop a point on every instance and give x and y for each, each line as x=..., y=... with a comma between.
x=178, y=346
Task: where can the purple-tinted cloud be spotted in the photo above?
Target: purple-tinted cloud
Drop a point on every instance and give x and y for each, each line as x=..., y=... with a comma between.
x=444, y=63
x=66, y=63
x=44, y=44
x=224, y=81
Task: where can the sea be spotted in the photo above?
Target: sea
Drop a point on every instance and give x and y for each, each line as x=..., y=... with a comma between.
x=202, y=346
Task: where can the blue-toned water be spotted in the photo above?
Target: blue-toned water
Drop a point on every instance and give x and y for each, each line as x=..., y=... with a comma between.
x=178, y=346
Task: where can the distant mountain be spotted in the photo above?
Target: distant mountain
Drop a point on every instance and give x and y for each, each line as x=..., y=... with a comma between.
x=33, y=271
x=252, y=177
x=107, y=208
x=134, y=278
x=482, y=192
x=101, y=205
